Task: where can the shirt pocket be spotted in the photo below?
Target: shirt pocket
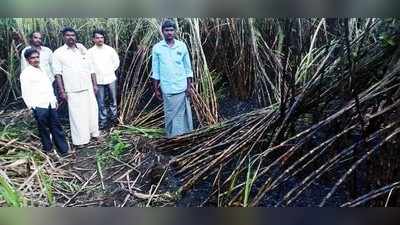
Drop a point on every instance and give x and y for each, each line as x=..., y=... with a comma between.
x=84, y=57
x=85, y=64
x=35, y=83
x=178, y=57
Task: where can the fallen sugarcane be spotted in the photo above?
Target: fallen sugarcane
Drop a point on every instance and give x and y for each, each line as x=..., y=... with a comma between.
x=262, y=141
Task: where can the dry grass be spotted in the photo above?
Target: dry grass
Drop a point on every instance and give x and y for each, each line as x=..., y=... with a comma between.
x=112, y=172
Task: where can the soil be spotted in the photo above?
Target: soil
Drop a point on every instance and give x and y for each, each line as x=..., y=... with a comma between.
x=144, y=165
x=151, y=171
x=231, y=106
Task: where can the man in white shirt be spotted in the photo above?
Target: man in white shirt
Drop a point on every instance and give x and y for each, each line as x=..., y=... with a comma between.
x=35, y=41
x=105, y=61
x=77, y=84
x=38, y=95
x=46, y=55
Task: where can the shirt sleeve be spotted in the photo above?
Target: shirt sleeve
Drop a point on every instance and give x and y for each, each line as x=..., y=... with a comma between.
x=115, y=59
x=155, y=64
x=91, y=65
x=56, y=65
x=186, y=63
x=26, y=91
x=91, y=61
x=24, y=63
x=50, y=52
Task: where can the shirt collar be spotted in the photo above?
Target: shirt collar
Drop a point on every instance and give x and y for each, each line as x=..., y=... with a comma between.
x=164, y=43
x=34, y=68
x=67, y=47
x=40, y=48
x=100, y=47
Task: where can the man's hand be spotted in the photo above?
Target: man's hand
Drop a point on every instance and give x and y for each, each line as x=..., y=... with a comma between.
x=189, y=91
x=157, y=91
x=95, y=89
x=63, y=96
x=94, y=83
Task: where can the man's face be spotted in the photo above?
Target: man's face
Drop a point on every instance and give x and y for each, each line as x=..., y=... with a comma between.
x=98, y=39
x=36, y=39
x=70, y=38
x=34, y=60
x=169, y=33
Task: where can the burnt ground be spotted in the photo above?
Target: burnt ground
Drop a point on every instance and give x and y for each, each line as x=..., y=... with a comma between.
x=232, y=106
x=127, y=179
x=136, y=175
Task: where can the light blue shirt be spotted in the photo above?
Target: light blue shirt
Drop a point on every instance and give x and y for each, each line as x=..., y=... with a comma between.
x=171, y=66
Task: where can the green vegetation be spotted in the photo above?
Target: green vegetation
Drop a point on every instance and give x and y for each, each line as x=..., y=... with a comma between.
x=8, y=193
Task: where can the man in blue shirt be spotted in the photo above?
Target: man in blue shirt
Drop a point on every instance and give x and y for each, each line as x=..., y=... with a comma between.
x=172, y=80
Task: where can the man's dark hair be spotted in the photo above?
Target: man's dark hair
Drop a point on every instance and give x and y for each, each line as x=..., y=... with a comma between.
x=34, y=32
x=168, y=23
x=98, y=31
x=68, y=29
x=29, y=52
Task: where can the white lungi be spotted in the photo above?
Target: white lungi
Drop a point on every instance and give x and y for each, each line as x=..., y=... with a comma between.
x=83, y=116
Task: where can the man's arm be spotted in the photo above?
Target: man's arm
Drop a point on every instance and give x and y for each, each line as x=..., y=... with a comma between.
x=58, y=71
x=188, y=71
x=60, y=86
x=24, y=63
x=156, y=88
x=92, y=70
x=94, y=82
x=50, y=52
x=115, y=59
x=26, y=91
x=155, y=67
x=189, y=86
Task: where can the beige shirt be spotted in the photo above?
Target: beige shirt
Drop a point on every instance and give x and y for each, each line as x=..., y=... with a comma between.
x=105, y=62
x=46, y=55
x=37, y=90
x=74, y=66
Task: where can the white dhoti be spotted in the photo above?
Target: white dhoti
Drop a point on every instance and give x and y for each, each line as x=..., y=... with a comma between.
x=83, y=116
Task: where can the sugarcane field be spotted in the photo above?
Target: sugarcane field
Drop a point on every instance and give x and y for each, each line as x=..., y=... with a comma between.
x=199, y=112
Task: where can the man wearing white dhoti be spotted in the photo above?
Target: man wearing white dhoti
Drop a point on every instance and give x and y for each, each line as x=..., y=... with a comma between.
x=172, y=78
x=77, y=84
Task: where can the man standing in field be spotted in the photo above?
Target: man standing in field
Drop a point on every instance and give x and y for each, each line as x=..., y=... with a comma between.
x=77, y=84
x=172, y=78
x=35, y=42
x=105, y=62
x=46, y=55
x=38, y=95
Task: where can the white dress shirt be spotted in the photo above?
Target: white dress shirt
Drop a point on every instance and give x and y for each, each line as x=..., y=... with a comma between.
x=37, y=90
x=46, y=56
x=105, y=62
x=74, y=66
